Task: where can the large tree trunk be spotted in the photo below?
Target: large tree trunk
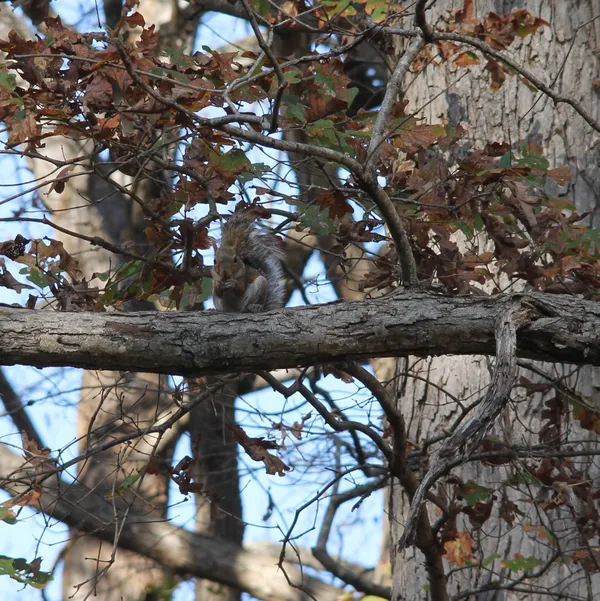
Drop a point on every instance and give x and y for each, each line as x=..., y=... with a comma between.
x=112, y=403
x=429, y=389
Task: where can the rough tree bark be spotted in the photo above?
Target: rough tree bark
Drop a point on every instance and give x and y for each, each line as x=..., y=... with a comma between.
x=182, y=343
x=565, y=57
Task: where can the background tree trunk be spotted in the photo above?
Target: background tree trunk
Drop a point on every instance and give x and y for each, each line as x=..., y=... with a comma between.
x=112, y=403
x=566, y=56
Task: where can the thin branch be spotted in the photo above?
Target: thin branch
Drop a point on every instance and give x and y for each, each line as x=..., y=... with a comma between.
x=346, y=574
x=332, y=421
x=393, y=88
x=16, y=411
x=181, y=551
x=533, y=79
x=283, y=83
x=399, y=467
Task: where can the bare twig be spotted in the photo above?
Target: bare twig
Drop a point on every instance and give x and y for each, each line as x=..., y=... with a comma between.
x=283, y=83
x=533, y=79
x=16, y=411
x=332, y=421
x=344, y=573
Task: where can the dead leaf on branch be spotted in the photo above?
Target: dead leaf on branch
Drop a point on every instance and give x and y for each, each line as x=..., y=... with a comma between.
x=258, y=450
x=8, y=281
x=42, y=257
x=33, y=452
x=26, y=499
x=460, y=550
x=297, y=428
x=23, y=128
x=588, y=558
x=14, y=248
x=561, y=175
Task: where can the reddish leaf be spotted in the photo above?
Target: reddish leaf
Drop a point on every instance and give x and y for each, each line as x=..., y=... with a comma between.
x=497, y=73
x=336, y=202
x=465, y=59
x=460, y=550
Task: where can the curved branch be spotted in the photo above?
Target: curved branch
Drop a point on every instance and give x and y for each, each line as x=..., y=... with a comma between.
x=467, y=438
x=17, y=412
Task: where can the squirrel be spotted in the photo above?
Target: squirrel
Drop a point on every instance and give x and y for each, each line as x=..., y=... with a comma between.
x=247, y=275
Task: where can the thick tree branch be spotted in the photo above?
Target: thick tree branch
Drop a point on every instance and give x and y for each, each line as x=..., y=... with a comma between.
x=467, y=438
x=566, y=329
x=188, y=553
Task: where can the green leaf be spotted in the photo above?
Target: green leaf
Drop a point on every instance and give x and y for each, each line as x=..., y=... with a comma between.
x=7, y=515
x=22, y=571
x=522, y=564
x=127, y=483
x=35, y=276
x=230, y=162
x=478, y=221
x=8, y=81
x=489, y=560
x=465, y=228
x=206, y=293
x=292, y=76
x=263, y=8
x=533, y=162
x=506, y=160
x=255, y=170
x=523, y=478
x=476, y=493
x=317, y=222
x=378, y=9
x=295, y=110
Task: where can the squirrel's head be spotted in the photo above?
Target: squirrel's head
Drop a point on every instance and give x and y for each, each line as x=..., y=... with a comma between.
x=228, y=264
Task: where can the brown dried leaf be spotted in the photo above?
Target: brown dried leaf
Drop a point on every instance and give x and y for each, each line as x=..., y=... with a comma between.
x=589, y=559
x=465, y=59
x=256, y=448
x=25, y=129
x=297, y=428
x=497, y=73
x=460, y=550
x=561, y=175
x=14, y=248
x=336, y=202
x=28, y=498
x=8, y=281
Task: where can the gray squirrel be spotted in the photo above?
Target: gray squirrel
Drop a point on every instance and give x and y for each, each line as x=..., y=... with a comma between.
x=247, y=275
